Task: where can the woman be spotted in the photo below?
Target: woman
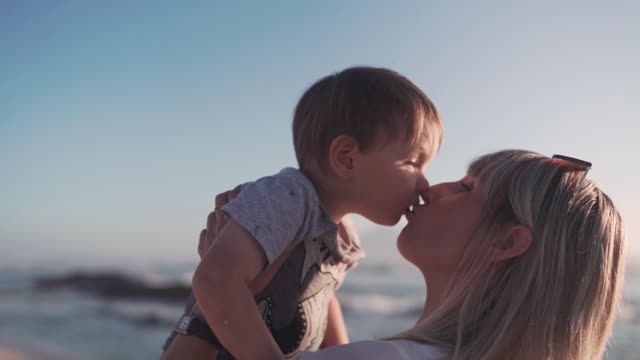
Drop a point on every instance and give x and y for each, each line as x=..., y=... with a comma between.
x=523, y=258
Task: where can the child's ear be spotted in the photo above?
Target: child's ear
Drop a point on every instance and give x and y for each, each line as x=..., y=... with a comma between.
x=341, y=155
x=517, y=242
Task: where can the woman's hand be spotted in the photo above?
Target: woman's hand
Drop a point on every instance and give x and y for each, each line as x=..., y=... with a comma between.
x=215, y=221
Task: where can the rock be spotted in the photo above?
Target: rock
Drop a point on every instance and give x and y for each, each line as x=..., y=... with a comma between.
x=113, y=286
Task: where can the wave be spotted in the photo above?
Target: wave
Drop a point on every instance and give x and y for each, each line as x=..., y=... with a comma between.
x=379, y=304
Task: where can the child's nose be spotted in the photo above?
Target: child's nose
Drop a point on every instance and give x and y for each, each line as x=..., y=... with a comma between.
x=426, y=196
x=423, y=184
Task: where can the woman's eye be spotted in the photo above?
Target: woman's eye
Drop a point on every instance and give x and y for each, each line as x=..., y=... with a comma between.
x=465, y=187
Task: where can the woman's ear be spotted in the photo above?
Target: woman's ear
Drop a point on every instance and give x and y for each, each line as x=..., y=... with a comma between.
x=341, y=156
x=516, y=243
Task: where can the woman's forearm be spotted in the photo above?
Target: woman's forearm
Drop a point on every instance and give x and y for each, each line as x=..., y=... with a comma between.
x=189, y=347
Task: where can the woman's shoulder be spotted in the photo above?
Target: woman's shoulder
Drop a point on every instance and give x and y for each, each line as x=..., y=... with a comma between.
x=377, y=349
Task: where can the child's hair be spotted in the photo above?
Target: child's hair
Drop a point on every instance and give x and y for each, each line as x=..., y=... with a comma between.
x=373, y=105
x=558, y=300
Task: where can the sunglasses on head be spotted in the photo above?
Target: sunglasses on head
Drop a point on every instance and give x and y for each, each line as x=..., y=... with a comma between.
x=580, y=164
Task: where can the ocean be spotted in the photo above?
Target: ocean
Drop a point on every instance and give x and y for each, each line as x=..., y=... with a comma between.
x=381, y=297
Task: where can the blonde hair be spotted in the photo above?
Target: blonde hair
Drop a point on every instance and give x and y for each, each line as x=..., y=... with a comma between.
x=558, y=300
x=373, y=105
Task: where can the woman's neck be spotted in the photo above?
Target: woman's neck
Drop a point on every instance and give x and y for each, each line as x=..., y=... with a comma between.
x=435, y=287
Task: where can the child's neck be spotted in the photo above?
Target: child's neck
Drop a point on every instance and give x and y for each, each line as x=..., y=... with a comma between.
x=329, y=193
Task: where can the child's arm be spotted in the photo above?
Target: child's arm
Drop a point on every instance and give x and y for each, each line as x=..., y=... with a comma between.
x=336, y=332
x=221, y=286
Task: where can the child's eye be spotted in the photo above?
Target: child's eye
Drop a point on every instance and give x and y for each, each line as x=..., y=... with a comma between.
x=418, y=164
x=465, y=187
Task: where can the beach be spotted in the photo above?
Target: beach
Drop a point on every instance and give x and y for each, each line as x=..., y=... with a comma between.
x=7, y=353
x=92, y=314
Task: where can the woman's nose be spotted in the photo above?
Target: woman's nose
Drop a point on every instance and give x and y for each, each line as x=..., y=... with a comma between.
x=435, y=192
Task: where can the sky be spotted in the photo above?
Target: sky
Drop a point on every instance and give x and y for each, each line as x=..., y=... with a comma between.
x=120, y=121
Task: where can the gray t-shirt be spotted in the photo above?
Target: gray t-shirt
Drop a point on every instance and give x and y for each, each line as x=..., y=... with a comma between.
x=283, y=212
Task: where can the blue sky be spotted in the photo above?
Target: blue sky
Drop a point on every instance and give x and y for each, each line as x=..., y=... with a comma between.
x=119, y=121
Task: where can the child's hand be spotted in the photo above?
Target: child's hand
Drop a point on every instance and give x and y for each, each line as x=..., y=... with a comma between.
x=215, y=221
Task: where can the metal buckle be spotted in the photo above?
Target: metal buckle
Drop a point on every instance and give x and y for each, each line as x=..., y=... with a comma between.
x=182, y=326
